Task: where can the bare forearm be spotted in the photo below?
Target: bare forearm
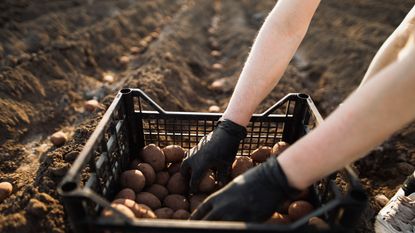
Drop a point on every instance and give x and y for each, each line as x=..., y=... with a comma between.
x=368, y=117
x=275, y=45
x=390, y=49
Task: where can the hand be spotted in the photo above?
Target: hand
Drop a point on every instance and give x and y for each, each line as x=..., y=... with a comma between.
x=252, y=197
x=215, y=151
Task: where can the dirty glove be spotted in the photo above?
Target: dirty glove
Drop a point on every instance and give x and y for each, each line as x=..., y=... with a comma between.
x=215, y=151
x=253, y=196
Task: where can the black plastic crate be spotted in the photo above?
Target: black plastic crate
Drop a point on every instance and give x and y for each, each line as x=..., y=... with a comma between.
x=134, y=120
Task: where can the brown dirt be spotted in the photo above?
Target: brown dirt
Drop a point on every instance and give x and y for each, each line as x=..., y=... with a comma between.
x=53, y=57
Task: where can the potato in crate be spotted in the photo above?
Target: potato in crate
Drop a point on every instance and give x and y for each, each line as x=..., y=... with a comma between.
x=127, y=179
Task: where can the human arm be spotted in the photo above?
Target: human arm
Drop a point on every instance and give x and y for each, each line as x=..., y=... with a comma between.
x=391, y=48
x=369, y=116
x=274, y=47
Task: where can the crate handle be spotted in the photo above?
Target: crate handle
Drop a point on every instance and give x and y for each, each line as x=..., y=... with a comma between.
x=291, y=96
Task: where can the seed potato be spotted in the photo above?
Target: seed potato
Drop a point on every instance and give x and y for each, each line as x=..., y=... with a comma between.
x=173, y=168
x=181, y=214
x=177, y=184
x=299, y=209
x=154, y=156
x=58, y=139
x=158, y=190
x=241, y=165
x=148, y=199
x=5, y=190
x=164, y=213
x=278, y=148
x=126, y=193
x=176, y=202
x=162, y=178
x=148, y=172
x=278, y=218
x=318, y=223
x=261, y=154
x=109, y=214
x=139, y=210
x=133, y=179
x=173, y=153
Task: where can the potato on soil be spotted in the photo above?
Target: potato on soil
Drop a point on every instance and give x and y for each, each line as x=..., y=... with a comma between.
x=278, y=148
x=207, y=184
x=133, y=179
x=109, y=214
x=214, y=108
x=217, y=66
x=181, y=214
x=318, y=223
x=164, y=213
x=215, y=53
x=92, y=105
x=241, y=165
x=173, y=153
x=278, y=218
x=154, y=156
x=139, y=210
x=124, y=60
x=177, y=184
x=196, y=200
x=148, y=199
x=148, y=172
x=176, y=202
x=126, y=193
x=158, y=190
x=299, y=209
x=174, y=168
x=162, y=178
x=261, y=154
x=58, y=139
x=5, y=190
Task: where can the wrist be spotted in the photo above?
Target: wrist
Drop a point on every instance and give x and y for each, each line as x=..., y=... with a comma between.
x=232, y=128
x=294, y=179
x=237, y=118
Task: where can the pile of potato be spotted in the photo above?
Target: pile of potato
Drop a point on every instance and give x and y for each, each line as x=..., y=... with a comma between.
x=154, y=188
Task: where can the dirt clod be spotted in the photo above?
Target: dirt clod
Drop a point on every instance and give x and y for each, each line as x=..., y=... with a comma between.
x=36, y=207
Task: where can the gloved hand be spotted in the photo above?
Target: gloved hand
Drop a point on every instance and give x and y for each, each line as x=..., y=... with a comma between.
x=215, y=151
x=253, y=196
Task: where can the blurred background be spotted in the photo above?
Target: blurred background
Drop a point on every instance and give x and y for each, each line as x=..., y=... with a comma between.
x=62, y=61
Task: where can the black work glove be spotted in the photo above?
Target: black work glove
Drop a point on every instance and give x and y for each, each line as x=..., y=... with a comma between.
x=215, y=151
x=253, y=196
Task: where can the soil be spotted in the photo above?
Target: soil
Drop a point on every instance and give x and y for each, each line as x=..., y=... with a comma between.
x=54, y=56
